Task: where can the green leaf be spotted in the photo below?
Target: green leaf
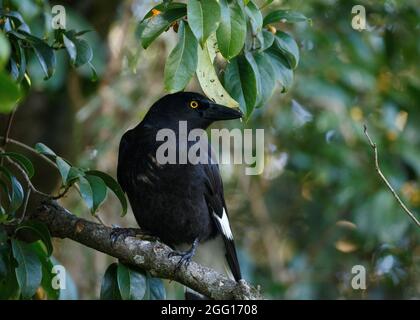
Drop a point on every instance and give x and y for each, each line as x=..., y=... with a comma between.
x=182, y=61
x=207, y=76
x=3, y=270
x=163, y=7
x=3, y=186
x=156, y=289
x=256, y=21
x=94, y=76
x=84, y=52
x=81, y=33
x=14, y=70
x=46, y=58
x=255, y=16
x=41, y=232
x=267, y=78
x=22, y=160
x=47, y=267
x=203, y=18
x=152, y=26
x=9, y=288
x=63, y=168
x=241, y=81
x=47, y=279
x=123, y=279
x=109, y=286
x=17, y=19
x=79, y=50
x=18, y=61
x=131, y=283
x=268, y=39
x=4, y=50
x=44, y=53
x=284, y=16
x=288, y=47
x=282, y=70
x=17, y=195
x=231, y=33
x=29, y=269
x=68, y=173
x=86, y=192
x=4, y=254
x=71, y=49
x=43, y=149
x=99, y=191
x=114, y=186
x=22, y=62
x=10, y=94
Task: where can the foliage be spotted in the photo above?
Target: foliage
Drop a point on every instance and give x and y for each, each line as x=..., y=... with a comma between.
x=27, y=267
x=122, y=282
x=334, y=209
x=318, y=209
x=256, y=53
x=17, y=43
x=234, y=28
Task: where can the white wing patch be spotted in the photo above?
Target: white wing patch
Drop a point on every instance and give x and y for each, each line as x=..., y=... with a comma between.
x=224, y=223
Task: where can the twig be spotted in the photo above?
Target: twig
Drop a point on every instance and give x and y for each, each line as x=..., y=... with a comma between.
x=27, y=179
x=25, y=206
x=6, y=134
x=28, y=148
x=97, y=217
x=8, y=128
x=378, y=170
x=62, y=193
x=32, y=187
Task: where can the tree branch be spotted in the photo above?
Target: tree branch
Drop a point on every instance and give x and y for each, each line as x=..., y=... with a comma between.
x=150, y=256
x=384, y=179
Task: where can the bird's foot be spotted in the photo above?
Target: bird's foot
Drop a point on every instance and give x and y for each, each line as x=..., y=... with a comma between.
x=117, y=233
x=185, y=256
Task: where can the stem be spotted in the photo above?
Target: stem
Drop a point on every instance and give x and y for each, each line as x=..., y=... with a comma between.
x=30, y=149
x=25, y=206
x=8, y=128
x=27, y=179
x=385, y=180
x=266, y=4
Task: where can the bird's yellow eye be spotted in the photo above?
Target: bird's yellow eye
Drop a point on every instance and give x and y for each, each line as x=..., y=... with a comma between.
x=193, y=104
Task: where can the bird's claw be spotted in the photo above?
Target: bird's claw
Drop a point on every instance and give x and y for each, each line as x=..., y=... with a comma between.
x=185, y=257
x=117, y=233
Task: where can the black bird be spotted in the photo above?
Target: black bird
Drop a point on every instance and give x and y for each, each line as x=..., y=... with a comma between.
x=181, y=204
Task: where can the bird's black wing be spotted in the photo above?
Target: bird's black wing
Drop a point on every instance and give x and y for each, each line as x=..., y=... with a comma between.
x=133, y=142
x=217, y=207
x=123, y=160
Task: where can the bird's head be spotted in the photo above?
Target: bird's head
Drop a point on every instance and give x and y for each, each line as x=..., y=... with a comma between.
x=196, y=109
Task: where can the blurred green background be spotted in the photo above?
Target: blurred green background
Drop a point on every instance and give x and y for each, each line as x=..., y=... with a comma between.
x=319, y=208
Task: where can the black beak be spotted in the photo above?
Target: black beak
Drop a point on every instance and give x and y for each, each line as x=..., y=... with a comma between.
x=218, y=112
